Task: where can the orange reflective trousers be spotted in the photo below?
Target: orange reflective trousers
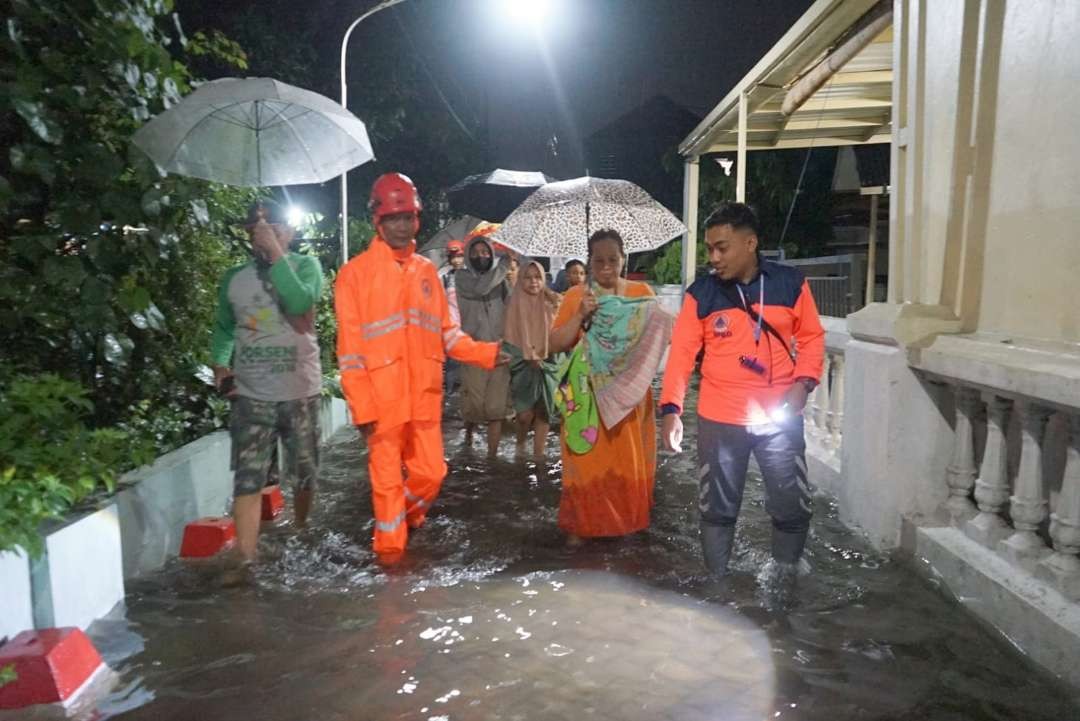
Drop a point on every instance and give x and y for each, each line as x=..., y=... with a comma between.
x=394, y=332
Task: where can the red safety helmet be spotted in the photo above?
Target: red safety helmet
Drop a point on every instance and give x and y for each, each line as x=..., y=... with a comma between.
x=393, y=193
x=455, y=247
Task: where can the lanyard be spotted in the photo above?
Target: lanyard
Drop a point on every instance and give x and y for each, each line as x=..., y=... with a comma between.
x=761, y=307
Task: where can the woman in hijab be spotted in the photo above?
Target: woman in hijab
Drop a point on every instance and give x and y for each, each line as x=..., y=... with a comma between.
x=617, y=333
x=481, y=296
x=529, y=314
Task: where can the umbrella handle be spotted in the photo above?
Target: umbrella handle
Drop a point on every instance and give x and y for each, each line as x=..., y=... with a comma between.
x=588, y=211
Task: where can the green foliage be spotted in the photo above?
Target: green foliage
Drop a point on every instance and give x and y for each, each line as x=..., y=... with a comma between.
x=49, y=458
x=772, y=177
x=108, y=270
x=8, y=675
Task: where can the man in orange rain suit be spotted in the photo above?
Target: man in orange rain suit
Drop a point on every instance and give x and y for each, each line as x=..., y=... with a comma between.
x=394, y=332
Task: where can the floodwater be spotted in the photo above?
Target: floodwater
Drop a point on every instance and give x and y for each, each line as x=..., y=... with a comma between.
x=491, y=617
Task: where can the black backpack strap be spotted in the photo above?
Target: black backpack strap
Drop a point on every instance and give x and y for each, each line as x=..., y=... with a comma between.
x=754, y=316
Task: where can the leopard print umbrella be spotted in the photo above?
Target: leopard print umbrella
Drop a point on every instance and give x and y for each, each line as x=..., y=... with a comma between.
x=557, y=219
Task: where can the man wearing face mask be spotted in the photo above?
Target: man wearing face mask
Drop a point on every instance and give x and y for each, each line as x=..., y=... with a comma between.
x=266, y=360
x=394, y=332
x=482, y=293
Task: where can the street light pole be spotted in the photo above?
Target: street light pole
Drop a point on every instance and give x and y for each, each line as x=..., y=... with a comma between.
x=344, y=95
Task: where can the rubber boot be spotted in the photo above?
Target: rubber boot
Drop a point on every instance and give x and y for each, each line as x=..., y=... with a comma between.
x=716, y=544
x=787, y=546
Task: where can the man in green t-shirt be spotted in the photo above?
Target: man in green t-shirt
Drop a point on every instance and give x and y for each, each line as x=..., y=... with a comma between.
x=266, y=361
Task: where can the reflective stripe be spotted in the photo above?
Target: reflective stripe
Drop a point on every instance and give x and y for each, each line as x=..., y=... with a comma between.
x=388, y=319
x=425, y=316
x=381, y=327
x=351, y=362
x=389, y=526
x=423, y=325
x=372, y=334
x=415, y=501
x=451, y=337
x=425, y=320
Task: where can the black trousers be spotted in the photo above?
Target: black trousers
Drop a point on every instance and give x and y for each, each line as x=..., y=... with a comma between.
x=780, y=450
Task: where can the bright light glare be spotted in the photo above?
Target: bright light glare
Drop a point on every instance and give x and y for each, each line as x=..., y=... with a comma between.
x=781, y=414
x=295, y=215
x=526, y=12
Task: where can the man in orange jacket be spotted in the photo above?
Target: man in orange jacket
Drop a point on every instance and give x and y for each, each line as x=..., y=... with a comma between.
x=394, y=332
x=764, y=352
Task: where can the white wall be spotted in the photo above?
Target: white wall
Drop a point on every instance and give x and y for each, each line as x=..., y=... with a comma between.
x=986, y=193
x=16, y=609
x=1032, y=261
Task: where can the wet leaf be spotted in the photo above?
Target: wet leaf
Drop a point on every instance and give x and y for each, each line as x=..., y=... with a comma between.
x=205, y=374
x=151, y=202
x=117, y=347
x=134, y=299
x=35, y=116
x=155, y=318
x=198, y=209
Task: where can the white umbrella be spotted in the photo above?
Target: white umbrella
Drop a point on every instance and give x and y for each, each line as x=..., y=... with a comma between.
x=557, y=219
x=255, y=132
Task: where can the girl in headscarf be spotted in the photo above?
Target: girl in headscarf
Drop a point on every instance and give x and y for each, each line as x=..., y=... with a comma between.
x=529, y=315
x=481, y=296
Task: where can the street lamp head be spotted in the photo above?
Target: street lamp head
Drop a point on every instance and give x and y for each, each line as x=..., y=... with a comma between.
x=531, y=13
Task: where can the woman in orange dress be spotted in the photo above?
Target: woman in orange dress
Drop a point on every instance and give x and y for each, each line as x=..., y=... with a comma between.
x=609, y=490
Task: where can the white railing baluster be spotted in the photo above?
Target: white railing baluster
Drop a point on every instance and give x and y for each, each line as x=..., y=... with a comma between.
x=1028, y=504
x=960, y=475
x=1062, y=568
x=992, y=486
x=821, y=416
x=837, y=399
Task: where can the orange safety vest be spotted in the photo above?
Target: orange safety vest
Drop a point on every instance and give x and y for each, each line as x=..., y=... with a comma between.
x=394, y=332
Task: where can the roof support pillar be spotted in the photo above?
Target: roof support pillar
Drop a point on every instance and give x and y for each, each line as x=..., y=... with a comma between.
x=740, y=162
x=691, y=169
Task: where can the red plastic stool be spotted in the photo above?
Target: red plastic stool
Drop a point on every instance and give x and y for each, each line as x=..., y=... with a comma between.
x=207, y=536
x=272, y=502
x=52, y=665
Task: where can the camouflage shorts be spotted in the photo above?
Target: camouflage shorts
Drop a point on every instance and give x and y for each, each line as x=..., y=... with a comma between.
x=255, y=428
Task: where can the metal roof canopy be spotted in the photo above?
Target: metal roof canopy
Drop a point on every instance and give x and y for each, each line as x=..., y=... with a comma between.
x=826, y=82
x=852, y=102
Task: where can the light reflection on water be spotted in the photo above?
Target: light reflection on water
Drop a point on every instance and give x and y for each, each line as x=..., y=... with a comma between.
x=490, y=617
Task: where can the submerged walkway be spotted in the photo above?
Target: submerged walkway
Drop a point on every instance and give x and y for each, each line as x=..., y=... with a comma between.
x=490, y=618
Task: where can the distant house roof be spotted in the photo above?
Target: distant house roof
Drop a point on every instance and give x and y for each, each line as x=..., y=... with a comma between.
x=633, y=146
x=657, y=113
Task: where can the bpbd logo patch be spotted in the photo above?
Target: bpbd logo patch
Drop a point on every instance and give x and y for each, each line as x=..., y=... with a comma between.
x=721, y=327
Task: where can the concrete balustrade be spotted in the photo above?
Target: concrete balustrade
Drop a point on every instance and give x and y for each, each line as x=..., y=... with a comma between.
x=1015, y=502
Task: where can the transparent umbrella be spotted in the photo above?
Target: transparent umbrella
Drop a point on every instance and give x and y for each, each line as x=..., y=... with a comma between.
x=557, y=218
x=255, y=132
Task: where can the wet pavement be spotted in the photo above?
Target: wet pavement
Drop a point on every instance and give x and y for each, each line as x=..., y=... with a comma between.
x=491, y=617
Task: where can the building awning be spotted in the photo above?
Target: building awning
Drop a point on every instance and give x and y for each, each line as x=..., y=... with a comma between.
x=826, y=82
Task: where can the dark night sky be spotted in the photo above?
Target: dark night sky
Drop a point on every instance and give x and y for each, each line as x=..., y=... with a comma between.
x=591, y=61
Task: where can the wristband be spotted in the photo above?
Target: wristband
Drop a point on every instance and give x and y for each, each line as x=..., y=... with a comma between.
x=668, y=408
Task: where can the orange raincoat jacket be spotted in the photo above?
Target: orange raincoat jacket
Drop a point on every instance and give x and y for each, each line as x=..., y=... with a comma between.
x=394, y=333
